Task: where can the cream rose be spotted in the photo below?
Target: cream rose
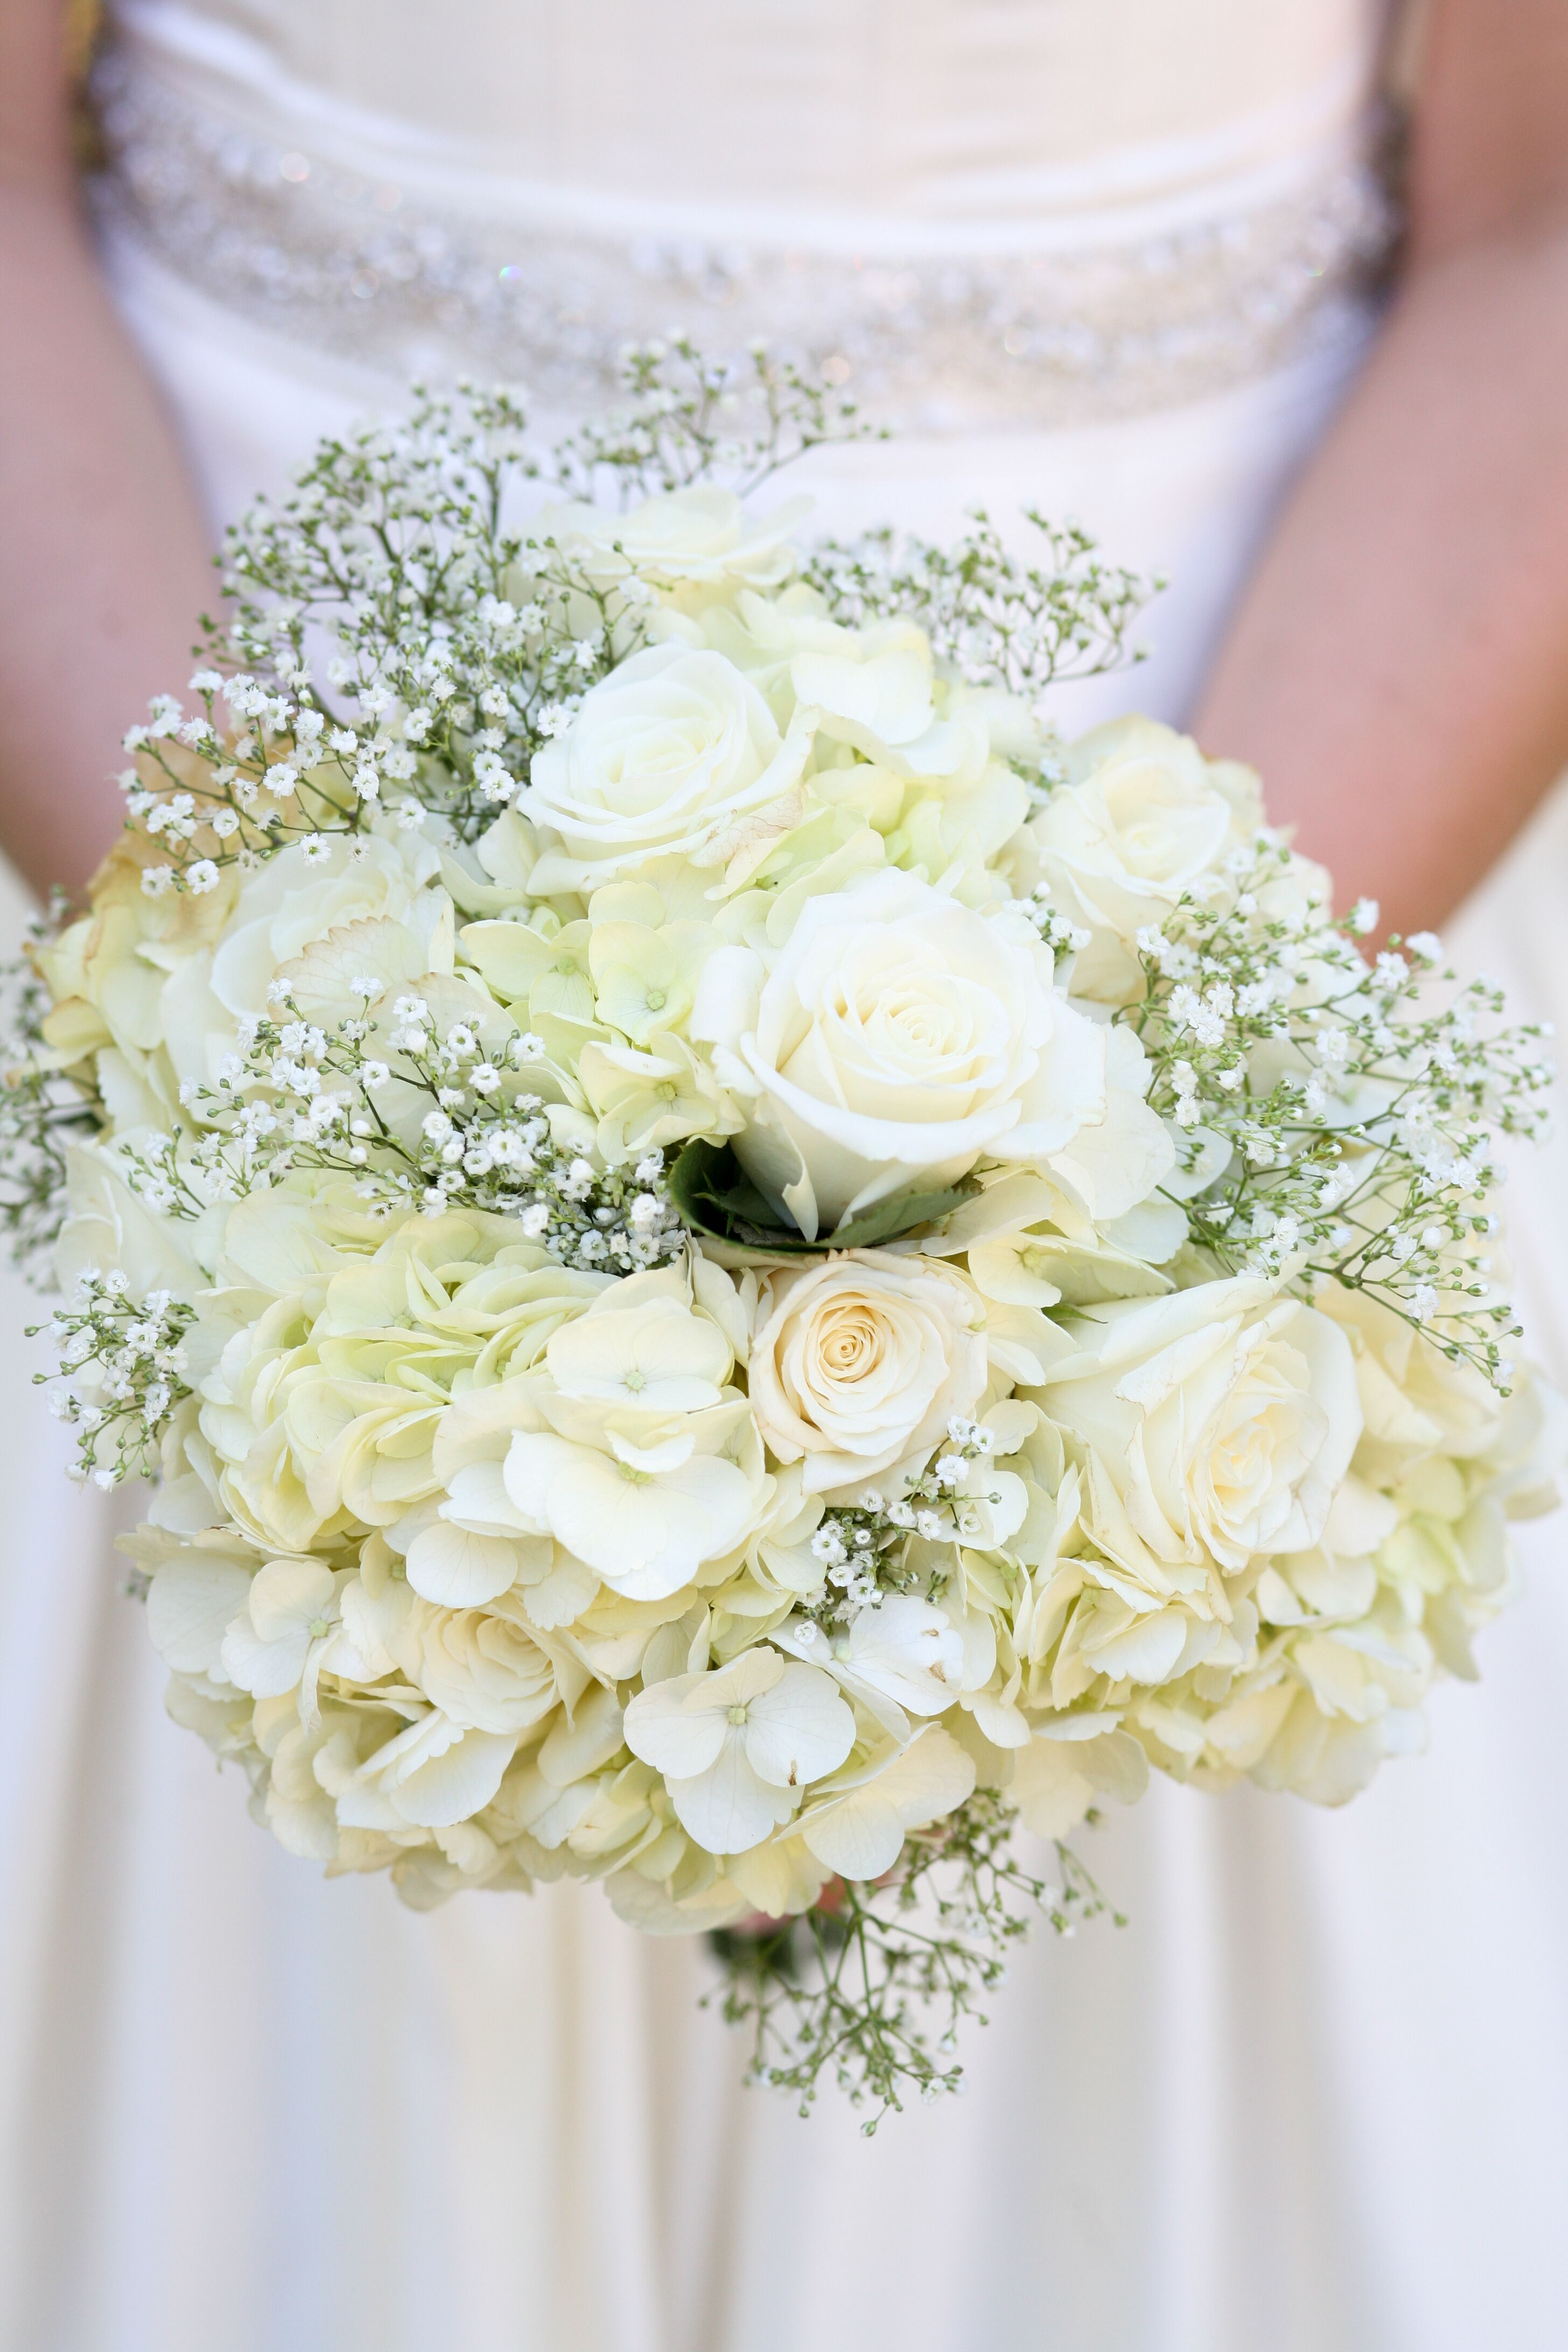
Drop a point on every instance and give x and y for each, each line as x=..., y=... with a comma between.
x=1414, y=1402
x=112, y=1230
x=1220, y=1422
x=897, y=1036
x=379, y=900
x=877, y=690
x=483, y=1670
x=859, y=1363
x=108, y=974
x=1142, y=818
x=666, y=757
x=702, y=535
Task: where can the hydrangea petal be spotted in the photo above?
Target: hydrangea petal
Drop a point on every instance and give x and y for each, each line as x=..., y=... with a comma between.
x=728, y=1807
x=667, y=1734
x=458, y=1569
x=190, y=1608
x=460, y=1782
x=799, y=1729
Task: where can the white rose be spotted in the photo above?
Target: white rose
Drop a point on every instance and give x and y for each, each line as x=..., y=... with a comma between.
x=894, y=1039
x=390, y=888
x=1221, y=1420
x=112, y=1230
x=668, y=756
x=859, y=1361
x=702, y=535
x=1414, y=1401
x=483, y=1670
x=878, y=691
x=1141, y=819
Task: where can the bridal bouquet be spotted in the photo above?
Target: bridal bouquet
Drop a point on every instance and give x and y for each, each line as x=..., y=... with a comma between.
x=740, y=1273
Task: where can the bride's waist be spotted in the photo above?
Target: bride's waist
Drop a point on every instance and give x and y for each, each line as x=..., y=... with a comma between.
x=1113, y=292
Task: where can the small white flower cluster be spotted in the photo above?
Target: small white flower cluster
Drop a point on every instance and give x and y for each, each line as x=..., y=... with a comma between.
x=998, y=621
x=1063, y=937
x=865, y=1547
x=462, y=645
x=688, y=418
x=123, y=1367
x=42, y=1112
x=212, y=793
x=440, y=1125
x=1343, y=1115
x=919, y=1962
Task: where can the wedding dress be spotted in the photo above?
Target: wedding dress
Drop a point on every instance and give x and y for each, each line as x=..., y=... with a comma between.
x=1108, y=257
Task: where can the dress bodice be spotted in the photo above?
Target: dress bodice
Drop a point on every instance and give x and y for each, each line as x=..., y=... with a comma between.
x=929, y=115
x=971, y=204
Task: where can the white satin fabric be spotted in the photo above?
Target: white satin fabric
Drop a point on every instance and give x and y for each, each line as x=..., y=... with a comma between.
x=1314, y=2098
x=932, y=120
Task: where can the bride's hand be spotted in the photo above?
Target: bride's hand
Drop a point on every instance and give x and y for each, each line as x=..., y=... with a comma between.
x=103, y=562
x=1399, y=667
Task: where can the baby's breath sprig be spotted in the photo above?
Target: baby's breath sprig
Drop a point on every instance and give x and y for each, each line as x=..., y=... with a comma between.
x=402, y=545
x=688, y=418
x=389, y=534
x=869, y=1987
x=995, y=618
x=455, y=644
x=211, y=795
x=444, y=1123
x=1062, y=936
x=865, y=1547
x=1349, y=1115
x=43, y=1110
x=121, y=1374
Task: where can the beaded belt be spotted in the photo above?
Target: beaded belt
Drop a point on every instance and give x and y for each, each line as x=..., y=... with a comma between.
x=368, y=268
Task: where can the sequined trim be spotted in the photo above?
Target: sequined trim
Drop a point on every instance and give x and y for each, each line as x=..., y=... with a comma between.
x=362, y=267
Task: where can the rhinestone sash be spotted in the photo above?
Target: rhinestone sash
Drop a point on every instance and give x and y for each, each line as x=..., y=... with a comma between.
x=369, y=268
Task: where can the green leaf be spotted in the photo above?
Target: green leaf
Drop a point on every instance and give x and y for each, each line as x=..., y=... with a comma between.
x=888, y=1219
x=715, y=1196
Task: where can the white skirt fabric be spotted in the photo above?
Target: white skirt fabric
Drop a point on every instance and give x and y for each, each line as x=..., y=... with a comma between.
x=1314, y=2096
